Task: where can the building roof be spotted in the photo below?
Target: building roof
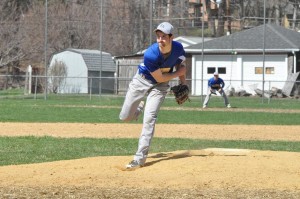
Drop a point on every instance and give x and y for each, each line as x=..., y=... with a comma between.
x=92, y=59
x=189, y=40
x=277, y=39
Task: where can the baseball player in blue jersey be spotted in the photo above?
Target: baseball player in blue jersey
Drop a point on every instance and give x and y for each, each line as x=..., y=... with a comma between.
x=163, y=61
x=216, y=84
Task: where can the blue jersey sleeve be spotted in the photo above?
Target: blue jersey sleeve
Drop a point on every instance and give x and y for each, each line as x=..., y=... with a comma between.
x=151, y=59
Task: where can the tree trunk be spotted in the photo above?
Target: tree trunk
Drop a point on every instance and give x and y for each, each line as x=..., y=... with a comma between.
x=256, y=11
x=221, y=21
x=295, y=16
x=242, y=14
x=211, y=19
x=228, y=14
x=277, y=14
x=137, y=26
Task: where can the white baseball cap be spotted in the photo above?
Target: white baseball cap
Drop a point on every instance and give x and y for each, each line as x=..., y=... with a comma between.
x=216, y=74
x=165, y=27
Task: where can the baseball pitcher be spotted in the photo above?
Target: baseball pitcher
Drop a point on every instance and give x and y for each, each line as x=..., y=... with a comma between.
x=160, y=61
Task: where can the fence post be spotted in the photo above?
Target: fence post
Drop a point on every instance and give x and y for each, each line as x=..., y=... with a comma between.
x=116, y=77
x=91, y=79
x=35, y=87
x=269, y=92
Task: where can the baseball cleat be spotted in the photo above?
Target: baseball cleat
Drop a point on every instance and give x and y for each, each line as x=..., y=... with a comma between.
x=133, y=164
x=228, y=106
x=204, y=106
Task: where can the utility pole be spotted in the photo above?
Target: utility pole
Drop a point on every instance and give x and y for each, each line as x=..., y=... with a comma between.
x=150, y=22
x=202, y=52
x=264, y=41
x=101, y=43
x=45, y=48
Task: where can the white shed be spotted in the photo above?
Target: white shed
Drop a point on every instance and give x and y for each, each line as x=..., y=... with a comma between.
x=83, y=71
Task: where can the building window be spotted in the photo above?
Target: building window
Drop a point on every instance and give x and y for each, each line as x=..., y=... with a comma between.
x=258, y=70
x=211, y=70
x=222, y=70
x=268, y=70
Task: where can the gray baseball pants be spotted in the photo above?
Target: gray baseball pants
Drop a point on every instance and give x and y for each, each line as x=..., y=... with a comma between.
x=209, y=92
x=138, y=89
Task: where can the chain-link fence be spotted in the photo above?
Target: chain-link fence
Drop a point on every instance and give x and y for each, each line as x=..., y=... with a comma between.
x=19, y=87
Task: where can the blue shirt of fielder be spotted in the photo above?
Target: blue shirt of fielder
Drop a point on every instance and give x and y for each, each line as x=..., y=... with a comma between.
x=216, y=84
x=153, y=60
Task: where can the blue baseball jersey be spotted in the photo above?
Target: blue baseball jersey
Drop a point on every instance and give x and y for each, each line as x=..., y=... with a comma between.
x=216, y=83
x=154, y=60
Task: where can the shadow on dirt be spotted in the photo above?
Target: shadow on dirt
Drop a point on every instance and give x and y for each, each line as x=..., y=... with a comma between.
x=173, y=156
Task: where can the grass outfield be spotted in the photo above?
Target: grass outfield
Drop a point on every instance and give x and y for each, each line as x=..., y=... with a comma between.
x=29, y=149
x=79, y=109
x=23, y=150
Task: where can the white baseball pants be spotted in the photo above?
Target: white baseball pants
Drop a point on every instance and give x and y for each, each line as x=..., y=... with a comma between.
x=138, y=89
x=209, y=92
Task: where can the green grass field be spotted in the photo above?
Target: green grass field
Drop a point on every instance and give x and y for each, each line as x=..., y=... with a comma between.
x=29, y=149
x=78, y=109
x=23, y=150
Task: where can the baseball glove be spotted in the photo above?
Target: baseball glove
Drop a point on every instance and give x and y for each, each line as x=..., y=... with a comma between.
x=181, y=93
x=216, y=86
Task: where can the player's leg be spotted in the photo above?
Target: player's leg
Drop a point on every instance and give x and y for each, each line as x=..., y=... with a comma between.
x=205, y=103
x=138, y=88
x=223, y=94
x=154, y=100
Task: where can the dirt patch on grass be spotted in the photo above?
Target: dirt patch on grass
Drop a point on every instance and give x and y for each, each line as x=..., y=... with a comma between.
x=208, y=173
x=121, y=130
x=179, y=108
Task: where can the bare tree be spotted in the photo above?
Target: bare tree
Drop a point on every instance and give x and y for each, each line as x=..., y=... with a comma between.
x=14, y=8
x=295, y=11
x=275, y=10
x=11, y=40
x=221, y=19
x=211, y=14
x=76, y=24
x=21, y=36
x=58, y=73
x=221, y=13
x=73, y=25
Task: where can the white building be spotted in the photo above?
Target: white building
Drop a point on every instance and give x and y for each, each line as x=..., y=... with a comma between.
x=239, y=59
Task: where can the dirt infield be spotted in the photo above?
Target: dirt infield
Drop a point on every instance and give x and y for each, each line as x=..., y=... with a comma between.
x=208, y=173
x=127, y=130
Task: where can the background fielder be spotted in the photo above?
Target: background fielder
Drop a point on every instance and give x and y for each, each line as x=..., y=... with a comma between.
x=216, y=84
x=152, y=78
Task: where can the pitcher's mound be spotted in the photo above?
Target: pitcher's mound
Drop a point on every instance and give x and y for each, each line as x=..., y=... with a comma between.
x=213, y=170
